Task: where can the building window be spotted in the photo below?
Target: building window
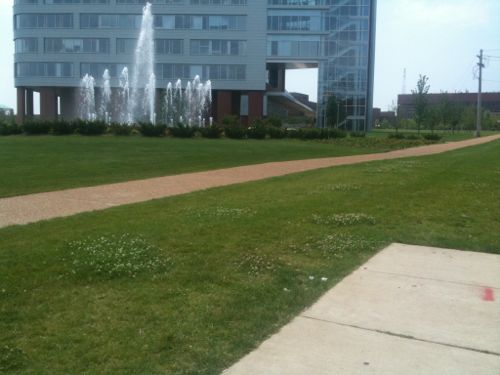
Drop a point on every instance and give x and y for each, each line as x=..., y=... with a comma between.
x=293, y=46
x=84, y=45
x=169, y=46
x=36, y=21
x=195, y=22
x=171, y=2
x=218, y=2
x=208, y=71
x=26, y=45
x=44, y=69
x=217, y=47
x=110, y=21
x=76, y=2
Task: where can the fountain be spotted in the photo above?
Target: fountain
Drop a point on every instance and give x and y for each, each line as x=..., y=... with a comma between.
x=136, y=97
x=87, y=98
x=106, y=96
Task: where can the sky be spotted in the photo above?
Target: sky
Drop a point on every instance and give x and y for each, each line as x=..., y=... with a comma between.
x=438, y=38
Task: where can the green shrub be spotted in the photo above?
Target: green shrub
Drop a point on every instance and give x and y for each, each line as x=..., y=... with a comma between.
x=235, y=131
x=11, y=128
x=309, y=133
x=149, y=130
x=31, y=127
x=336, y=133
x=230, y=121
x=121, y=129
x=433, y=137
x=97, y=127
x=212, y=131
x=257, y=130
x=357, y=134
x=396, y=136
x=292, y=133
x=273, y=121
x=63, y=127
x=275, y=132
x=183, y=131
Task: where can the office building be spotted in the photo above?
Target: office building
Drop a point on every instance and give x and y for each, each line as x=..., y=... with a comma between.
x=243, y=46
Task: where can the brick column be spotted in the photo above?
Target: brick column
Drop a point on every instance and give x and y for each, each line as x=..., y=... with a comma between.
x=224, y=104
x=48, y=104
x=255, y=105
x=21, y=105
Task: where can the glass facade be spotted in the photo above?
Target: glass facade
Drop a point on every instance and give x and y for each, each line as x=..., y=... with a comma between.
x=346, y=74
x=339, y=36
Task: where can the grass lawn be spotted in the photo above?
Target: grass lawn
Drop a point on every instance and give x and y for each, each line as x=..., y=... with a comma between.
x=36, y=164
x=222, y=269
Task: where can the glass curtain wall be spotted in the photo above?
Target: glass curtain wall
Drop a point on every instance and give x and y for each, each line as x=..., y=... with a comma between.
x=345, y=76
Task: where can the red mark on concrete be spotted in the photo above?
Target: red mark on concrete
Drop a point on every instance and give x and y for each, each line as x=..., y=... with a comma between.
x=488, y=294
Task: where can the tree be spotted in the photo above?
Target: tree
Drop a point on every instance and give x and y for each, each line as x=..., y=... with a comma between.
x=455, y=116
x=420, y=100
x=335, y=112
x=433, y=117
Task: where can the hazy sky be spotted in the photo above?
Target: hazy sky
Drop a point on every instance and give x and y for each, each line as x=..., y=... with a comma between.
x=439, y=38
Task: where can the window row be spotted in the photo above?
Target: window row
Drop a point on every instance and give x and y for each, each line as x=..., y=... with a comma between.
x=162, y=46
x=129, y=21
x=334, y=3
x=207, y=71
x=35, y=21
x=163, y=71
x=126, y=2
x=44, y=69
x=197, y=22
x=217, y=47
x=293, y=48
x=209, y=47
x=294, y=23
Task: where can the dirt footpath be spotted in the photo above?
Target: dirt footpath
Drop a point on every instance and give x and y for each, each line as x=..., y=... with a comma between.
x=42, y=206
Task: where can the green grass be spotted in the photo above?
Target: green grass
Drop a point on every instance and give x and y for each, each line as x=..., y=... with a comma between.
x=36, y=164
x=236, y=262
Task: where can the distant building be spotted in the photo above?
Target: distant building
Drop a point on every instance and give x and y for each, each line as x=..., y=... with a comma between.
x=380, y=116
x=490, y=100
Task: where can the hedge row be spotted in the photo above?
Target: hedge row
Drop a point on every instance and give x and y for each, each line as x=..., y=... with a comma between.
x=428, y=137
x=230, y=128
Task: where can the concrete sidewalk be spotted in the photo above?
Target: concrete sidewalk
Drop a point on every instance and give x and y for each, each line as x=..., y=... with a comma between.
x=42, y=206
x=408, y=310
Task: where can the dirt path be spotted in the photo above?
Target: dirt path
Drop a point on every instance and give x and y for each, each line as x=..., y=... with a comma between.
x=42, y=206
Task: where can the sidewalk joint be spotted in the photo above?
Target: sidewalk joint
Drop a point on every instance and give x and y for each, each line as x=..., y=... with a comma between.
x=408, y=337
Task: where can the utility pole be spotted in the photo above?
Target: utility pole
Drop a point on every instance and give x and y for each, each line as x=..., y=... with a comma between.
x=403, y=89
x=479, y=109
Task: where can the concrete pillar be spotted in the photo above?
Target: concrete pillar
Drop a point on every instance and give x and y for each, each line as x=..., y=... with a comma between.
x=255, y=105
x=48, y=103
x=281, y=77
x=21, y=105
x=224, y=104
